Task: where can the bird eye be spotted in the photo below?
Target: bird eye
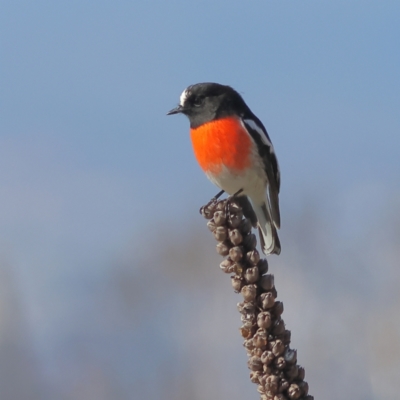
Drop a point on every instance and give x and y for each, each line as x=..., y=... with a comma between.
x=198, y=101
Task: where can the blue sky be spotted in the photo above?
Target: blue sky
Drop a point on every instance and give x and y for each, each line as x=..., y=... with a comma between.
x=85, y=87
x=89, y=162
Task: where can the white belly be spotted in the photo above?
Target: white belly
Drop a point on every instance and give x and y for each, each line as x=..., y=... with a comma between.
x=253, y=181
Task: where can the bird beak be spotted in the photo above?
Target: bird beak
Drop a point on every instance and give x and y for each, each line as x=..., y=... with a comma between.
x=175, y=110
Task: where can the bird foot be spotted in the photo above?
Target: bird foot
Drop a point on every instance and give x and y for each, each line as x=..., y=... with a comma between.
x=215, y=198
x=212, y=203
x=229, y=200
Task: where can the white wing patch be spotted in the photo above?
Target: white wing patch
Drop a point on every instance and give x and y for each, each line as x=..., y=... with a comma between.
x=264, y=138
x=262, y=134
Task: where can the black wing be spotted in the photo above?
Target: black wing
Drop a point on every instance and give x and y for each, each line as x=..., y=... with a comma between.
x=266, y=149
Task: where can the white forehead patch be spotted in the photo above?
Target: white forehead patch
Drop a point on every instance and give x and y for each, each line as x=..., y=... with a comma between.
x=183, y=97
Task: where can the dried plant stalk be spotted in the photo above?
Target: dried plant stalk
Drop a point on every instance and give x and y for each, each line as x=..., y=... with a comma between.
x=273, y=364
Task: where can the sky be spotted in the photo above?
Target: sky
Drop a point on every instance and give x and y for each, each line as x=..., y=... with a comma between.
x=94, y=177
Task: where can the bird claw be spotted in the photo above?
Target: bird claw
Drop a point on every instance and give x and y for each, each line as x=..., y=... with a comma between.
x=229, y=200
x=209, y=208
x=213, y=202
x=215, y=198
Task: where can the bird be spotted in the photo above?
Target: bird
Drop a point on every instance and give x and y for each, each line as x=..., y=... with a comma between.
x=235, y=151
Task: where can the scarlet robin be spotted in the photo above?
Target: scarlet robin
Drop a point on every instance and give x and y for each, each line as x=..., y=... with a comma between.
x=235, y=152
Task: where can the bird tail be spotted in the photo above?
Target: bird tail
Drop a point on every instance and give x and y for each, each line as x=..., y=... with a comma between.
x=269, y=239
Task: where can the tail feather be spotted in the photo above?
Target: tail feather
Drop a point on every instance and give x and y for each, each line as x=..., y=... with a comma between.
x=269, y=239
x=274, y=205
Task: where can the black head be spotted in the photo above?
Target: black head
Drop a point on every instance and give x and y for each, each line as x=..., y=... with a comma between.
x=205, y=102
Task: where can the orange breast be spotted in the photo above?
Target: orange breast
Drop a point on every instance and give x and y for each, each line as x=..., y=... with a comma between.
x=221, y=142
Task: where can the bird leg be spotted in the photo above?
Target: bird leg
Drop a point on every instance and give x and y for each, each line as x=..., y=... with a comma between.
x=213, y=201
x=215, y=198
x=218, y=195
x=237, y=193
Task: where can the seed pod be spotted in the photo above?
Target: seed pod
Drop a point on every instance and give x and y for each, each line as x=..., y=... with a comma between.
x=255, y=363
x=250, y=241
x=248, y=324
x=284, y=385
x=253, y=256
x=207, y=211
x=211, y=225
x=245, y=226
x=220, y=206
x=294, y=391
x=290, y=356
x=222, y=248
x=237, y=283
x=278, y=327
x=260, y=389
x=278, y=348
x=267, y=357
x=236, y=253
x=304, y=388
x=263, y=266
x=272, y=384
x=234, y=221
x=247, y=317
x=250, y=317
x=219, y=218
x=235, y=209
x=264, y=319
x=235, y=237
x=278, y=308
x=267, y=282
x=267, y=370
x=274, y=292
x=301, y=373
x=249, y=292
x=257, y=351
x=263, y=379
x=227, y=266
x=267, y=300
x=220, y=233
x=239, y=268
x=272, y=363
x=251, y=275
x=292, y=372
x=245, y=332
x=286, y=336
x=260, y=338
x=248, y=344
x=280, y=363
x=255, y=376
x=246, y=308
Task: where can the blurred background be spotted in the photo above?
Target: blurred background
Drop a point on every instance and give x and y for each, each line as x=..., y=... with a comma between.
x=109, y=281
